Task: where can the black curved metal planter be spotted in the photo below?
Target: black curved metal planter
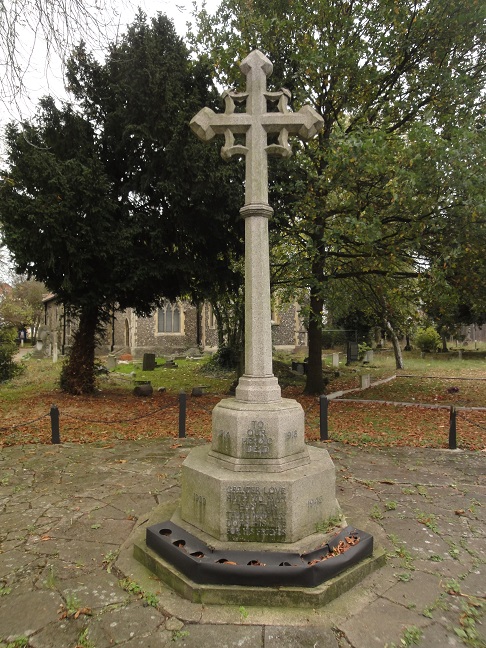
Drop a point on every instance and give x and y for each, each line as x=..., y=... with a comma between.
x=204, y=565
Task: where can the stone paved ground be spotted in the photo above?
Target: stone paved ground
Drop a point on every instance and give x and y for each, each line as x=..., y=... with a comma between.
x=65, y=512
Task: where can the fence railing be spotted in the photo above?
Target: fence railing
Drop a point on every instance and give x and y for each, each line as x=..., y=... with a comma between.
x=323, y=403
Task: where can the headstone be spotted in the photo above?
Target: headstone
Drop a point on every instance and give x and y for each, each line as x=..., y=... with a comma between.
x=143, y=388
x=111, y=362
x=335, y=360
x=193, y=352
x=199, y=390
x=40, y=350
x=365, y=381
x=55, y=352
x=148, y=362
x=368, y=356
x=258, y=481
x=352, y=354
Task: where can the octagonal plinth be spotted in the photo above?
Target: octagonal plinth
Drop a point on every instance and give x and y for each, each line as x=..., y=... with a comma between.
x=257, y=507
x=267, y=437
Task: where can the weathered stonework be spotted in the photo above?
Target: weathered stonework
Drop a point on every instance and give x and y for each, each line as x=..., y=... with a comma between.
x=258, y=482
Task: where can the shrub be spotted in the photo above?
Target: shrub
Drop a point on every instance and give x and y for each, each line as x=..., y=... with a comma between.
x=428, y=339
x=8, y=348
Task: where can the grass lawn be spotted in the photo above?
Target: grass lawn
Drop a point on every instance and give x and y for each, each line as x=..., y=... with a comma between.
x=115, y=413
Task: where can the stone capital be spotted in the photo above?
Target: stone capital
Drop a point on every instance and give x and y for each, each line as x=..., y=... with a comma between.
x=255, y=209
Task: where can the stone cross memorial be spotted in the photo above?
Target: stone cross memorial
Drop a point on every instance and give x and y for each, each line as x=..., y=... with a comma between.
x=258, y=482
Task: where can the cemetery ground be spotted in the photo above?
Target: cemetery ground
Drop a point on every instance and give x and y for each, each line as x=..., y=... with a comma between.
x=69, y=514
x=411, y=410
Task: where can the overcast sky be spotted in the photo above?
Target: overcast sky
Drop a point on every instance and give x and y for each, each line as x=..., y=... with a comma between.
x=45, y=76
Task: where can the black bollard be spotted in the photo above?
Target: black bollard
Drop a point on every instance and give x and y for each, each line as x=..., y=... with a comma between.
x=55, y=435
x=323, y=426
x=182, y=415
x=452, y=428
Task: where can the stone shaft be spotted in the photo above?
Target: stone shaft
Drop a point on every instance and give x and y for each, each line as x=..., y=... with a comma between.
x=258, y=384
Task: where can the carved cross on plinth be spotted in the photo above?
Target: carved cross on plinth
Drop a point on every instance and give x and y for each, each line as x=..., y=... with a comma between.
x=258, y=384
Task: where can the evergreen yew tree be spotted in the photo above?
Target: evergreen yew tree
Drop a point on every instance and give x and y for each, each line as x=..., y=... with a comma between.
x=112, y=201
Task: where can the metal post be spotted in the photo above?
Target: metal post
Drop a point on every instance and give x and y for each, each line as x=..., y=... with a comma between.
x=182, y=414
x=55, y=435
x=323, y=427
x=452, y=428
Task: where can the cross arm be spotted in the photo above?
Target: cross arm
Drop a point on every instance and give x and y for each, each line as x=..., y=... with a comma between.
x=206, y=124
x=306, y=122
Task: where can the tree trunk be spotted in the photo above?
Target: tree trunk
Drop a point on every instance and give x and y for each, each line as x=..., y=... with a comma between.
x=315, y=380
x=444, y=343
x=396, y=346
x=78, y=374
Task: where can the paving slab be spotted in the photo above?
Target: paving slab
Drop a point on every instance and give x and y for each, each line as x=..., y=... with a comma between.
x=27, y=613
x=299, y=637
x=68, y=514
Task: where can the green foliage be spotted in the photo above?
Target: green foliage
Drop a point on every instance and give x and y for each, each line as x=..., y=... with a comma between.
x=116, y=202
x=226, y=358
x=471, y=614
x=134, y=588
x=84, y=641
x=427, y=340
x=397, y=172
x=19, y=642
x=8, y=348
x=23, y=306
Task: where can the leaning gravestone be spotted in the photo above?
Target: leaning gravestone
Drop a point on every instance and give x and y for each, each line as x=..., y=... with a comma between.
x=258, y=482
x=40, y=350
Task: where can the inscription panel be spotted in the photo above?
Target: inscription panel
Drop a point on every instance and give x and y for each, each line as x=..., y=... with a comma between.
x=257, y=443
x=256, y=513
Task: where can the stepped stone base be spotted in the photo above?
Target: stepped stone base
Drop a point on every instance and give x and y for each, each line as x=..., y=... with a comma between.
x=258, y=507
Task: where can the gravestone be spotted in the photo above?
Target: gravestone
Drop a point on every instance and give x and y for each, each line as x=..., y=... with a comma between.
x=40, y=350
x=365, y=381
x=352, y=353
x=369, y=356
x=258, y=481
x=148, y=362
x=335, y=360
x=111, y=362
x=55, y=350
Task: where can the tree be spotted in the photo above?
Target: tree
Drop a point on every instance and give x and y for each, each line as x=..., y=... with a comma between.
x=392, y=81
x=23, y=307
x=116, y=203
x=8, y=348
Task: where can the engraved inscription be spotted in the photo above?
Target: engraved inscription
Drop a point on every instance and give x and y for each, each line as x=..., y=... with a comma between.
x=223, y=441
x=199, y=506
x=314, y=503
x=291, y=435
x=256, y=514
x=256, y=441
